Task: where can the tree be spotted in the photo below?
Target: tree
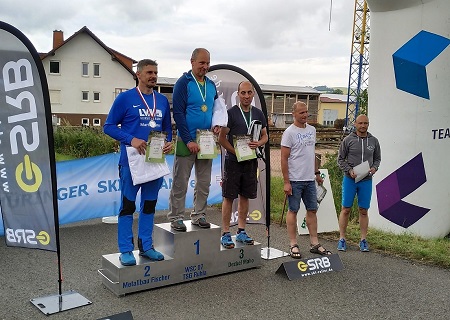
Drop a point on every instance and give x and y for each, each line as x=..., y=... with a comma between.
x=338, y=91
x=363, y=102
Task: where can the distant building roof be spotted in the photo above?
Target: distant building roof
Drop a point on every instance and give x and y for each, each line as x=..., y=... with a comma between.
x=264, y=87
x=167, y=81
x=332, y=97
x=286, y=89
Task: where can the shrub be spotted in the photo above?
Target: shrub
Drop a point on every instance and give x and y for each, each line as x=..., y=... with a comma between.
x=335, y=175
x=83, y=142
x=339, y=123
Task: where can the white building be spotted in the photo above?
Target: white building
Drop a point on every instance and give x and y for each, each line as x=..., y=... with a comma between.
x=84, y=76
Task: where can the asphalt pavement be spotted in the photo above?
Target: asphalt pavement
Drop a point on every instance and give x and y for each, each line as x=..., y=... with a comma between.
x=373, y=285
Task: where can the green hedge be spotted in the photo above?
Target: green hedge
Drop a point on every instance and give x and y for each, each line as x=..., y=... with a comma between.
x=83, y=142
x=335, y=174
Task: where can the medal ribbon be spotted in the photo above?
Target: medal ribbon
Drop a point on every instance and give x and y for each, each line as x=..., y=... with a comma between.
x=152, y=114
x=199, y=89
x=243, y=116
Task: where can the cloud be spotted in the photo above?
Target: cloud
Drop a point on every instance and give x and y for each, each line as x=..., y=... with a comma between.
x=287, y=42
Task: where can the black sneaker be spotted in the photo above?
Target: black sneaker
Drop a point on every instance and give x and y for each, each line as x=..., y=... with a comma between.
x=178, y=225
x=202, y=223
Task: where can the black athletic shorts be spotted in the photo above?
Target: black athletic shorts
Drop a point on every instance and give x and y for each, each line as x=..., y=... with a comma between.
x=240, y=178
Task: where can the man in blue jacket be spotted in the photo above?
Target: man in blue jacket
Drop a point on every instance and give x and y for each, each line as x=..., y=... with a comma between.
x=193, y=101
x=133, y=115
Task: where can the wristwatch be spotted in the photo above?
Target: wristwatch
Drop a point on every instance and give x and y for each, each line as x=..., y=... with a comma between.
x=317, y=172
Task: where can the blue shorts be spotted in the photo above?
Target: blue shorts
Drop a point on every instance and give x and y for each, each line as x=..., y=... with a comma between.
x=350, y=189
x=305, y=191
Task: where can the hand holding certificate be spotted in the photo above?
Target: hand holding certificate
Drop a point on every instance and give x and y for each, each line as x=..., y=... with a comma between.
x=155, y=145
x=207, y=144
x=242, y=149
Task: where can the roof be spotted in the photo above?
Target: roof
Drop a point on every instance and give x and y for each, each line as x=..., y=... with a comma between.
x=264, y=87
x=166, y=81
x=115, y=55
x=333, y=98
x=288, y=89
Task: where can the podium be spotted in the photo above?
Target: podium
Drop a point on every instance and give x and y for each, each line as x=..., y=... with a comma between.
x=191, y=255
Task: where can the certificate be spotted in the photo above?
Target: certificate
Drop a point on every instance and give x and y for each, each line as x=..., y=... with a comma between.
x=207, y=144
x=361, y=171
x=155, y=145
x=241, y=148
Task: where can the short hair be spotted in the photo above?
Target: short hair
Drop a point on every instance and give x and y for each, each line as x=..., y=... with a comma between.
x=196, y=52
x=298, y=103
x=145, y=62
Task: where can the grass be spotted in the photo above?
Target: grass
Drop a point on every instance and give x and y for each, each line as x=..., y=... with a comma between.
x=429, y=251
x=63, y=157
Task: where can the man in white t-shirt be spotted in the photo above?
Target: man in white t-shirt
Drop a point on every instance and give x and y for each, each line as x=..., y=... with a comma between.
x=300, y=173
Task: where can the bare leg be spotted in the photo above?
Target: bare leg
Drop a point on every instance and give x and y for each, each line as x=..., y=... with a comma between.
x=363, y=222
x=242, y=212
x=343, y=221
x=311, y=223
x=291, y=223
x=226, y=214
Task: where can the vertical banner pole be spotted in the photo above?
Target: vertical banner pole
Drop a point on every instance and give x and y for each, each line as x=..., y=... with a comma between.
x=28, y=159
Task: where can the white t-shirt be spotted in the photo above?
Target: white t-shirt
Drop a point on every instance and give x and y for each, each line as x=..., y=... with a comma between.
x=301, y=161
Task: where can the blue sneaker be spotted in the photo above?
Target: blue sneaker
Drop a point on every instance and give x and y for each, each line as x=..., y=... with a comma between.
x=342, y=245
x=244, y=238
x=127, y=259
x=363, y=245
x=226, y=241
x=152, y=254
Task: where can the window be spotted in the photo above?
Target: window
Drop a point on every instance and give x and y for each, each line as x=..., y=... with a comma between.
x=96, y=96
x=96, y=69
x=85, y=69
x=96, y=122
x=54, y=67
x=329, y=116
x=278, y=103
x=117, y=91
x=55, y=96
x=85, y=95
x=84, y=121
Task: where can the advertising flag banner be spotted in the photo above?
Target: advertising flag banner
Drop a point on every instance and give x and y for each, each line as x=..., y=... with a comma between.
x=27, y=159
x=227, y=78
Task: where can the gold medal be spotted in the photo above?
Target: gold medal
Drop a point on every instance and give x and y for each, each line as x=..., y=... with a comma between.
x=204, y=108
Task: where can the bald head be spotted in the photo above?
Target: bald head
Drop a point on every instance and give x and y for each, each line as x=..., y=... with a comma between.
x=362, y=124
x=362, y=117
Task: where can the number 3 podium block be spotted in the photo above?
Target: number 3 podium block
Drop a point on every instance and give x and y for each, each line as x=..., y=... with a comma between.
x=191, y=255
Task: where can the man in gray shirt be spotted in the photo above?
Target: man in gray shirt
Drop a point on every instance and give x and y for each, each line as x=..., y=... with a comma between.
x=356, y=148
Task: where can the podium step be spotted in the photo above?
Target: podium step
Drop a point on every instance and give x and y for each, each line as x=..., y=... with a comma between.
x=191, y=255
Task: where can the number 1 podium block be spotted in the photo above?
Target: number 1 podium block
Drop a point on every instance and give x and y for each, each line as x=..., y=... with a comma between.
x=191, y=255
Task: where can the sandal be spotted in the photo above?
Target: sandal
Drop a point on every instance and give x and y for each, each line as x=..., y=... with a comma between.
x=323, y=252
x=295, y=255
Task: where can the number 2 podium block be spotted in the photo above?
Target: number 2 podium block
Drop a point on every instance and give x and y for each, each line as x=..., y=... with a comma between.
x=191, y=255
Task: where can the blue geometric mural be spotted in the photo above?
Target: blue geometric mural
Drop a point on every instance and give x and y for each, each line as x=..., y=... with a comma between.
x=411, y=59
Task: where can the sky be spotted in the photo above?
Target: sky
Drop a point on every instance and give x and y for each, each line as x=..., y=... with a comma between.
x=287, y=42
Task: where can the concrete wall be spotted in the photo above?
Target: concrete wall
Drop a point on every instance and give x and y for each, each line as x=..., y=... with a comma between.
x=410, y=115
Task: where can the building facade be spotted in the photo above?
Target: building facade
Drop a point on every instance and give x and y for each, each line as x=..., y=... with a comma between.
x=84, y=76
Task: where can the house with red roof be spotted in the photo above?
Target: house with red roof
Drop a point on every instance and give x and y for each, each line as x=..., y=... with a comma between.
x=84, y=77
